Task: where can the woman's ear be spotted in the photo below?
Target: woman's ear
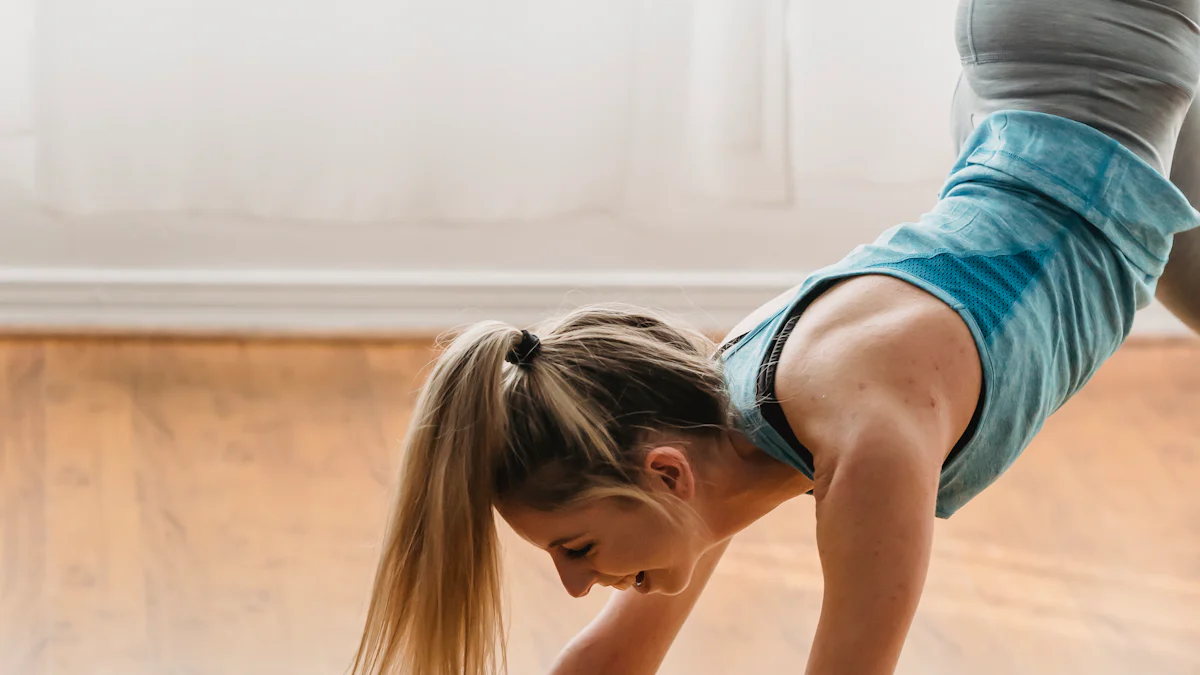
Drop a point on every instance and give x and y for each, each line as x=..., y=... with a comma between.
x=668, y=469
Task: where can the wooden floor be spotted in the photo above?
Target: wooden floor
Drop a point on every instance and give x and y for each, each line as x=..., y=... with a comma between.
x=213, y=507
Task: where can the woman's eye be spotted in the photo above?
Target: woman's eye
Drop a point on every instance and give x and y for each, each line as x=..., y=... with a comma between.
x=575, y=553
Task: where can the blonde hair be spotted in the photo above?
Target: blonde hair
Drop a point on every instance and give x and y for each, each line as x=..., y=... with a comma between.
x=560, y=430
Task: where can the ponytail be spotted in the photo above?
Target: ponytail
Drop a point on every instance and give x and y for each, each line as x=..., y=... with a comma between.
x=436, y=607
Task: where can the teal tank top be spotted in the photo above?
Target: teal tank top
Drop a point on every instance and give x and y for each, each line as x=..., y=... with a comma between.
x=1046, y=239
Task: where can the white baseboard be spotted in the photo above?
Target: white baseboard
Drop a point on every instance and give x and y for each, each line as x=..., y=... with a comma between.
x=343, y=302
x=371, y=303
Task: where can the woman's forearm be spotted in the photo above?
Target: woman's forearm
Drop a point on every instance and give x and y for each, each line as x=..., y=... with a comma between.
x=590, y=654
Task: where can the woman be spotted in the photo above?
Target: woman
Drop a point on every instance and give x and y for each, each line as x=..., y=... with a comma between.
x=894, y=385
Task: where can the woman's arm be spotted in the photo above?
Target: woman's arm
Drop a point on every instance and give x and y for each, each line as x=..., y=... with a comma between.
x=875, y=512
x=880, y=384
x=633, y=633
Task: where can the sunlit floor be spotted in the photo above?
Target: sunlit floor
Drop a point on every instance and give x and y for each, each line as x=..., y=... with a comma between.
x=214, y=507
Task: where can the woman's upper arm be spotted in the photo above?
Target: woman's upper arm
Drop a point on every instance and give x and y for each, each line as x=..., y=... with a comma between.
x=879, y=393
x=877, y=458
x=875, y=510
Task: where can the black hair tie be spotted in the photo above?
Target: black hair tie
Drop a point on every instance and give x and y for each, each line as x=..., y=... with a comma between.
x=523, y=353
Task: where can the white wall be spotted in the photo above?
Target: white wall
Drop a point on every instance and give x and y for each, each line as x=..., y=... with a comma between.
x=871, y=87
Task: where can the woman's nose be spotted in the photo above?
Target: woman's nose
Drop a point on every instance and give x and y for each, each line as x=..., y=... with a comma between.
x=577, y=577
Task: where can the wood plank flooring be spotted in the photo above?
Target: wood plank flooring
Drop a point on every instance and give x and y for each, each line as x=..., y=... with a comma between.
x=213, y=507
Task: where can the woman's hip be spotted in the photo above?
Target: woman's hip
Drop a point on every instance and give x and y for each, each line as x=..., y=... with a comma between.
x=1156, y=39
x=1128, y=68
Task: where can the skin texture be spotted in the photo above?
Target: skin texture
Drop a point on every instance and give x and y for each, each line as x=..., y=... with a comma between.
x=879, y=380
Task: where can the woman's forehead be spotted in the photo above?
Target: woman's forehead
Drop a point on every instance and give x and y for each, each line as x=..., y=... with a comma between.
x=543, y=528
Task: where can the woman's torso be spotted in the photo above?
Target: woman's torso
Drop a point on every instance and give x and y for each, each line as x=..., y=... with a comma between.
x=1047, y=239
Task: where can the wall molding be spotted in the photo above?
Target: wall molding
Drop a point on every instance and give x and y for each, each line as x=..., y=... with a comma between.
x=352, y=302
x=306, y=302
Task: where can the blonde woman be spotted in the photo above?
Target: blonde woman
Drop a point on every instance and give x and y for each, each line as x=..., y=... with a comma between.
x=894, y=385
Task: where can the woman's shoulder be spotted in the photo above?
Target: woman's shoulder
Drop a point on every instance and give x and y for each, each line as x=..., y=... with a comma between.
x=872, y=345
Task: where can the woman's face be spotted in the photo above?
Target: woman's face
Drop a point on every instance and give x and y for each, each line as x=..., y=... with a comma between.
x=611, y=543
x=614, y=543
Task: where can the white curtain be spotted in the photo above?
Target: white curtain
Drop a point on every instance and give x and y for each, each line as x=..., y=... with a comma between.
x=396, y=110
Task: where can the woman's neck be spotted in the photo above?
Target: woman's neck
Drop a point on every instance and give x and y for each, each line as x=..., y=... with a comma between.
x=744, y=485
